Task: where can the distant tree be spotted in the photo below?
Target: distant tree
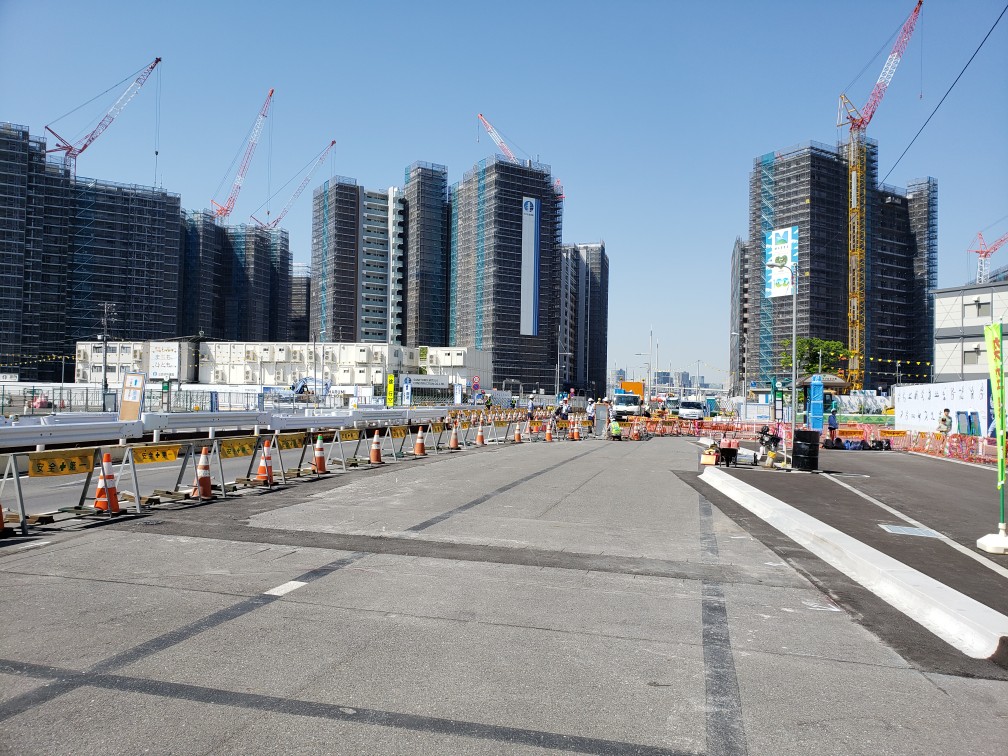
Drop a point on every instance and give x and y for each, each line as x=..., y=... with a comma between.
x=809, y=351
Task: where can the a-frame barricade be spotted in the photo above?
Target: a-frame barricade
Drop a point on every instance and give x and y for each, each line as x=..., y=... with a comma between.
x=146, y=454
x=257, y=455
x=400, y=432
x=439, y=429
x=289, y=442
x=46, y=464
x=346, y=436
x=229, y=448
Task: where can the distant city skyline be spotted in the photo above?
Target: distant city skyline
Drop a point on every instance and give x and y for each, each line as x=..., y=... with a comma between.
x=677, y=124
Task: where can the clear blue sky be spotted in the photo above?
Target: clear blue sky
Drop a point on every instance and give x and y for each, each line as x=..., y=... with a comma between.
x=650, y=113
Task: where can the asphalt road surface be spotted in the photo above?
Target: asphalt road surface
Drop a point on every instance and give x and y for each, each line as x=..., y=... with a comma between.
x=570, y=597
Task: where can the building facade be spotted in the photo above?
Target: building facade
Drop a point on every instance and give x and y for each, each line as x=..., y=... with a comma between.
x=506, y=225
x=584, y=323
x=960, y=349
x=358, y=251
x=806, y=188
x=426, y=285
x=73, y=250
x=301, y=294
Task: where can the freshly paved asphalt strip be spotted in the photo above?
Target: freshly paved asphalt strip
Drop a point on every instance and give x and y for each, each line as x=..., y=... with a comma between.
x=976, y=628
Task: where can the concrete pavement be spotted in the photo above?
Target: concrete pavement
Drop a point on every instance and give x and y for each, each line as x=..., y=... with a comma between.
x=539, y=598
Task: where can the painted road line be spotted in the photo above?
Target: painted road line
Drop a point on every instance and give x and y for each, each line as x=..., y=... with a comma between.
x=287, y=587
x=911, y=521
x=992, y=468
x=973, y=628
x=34, y=545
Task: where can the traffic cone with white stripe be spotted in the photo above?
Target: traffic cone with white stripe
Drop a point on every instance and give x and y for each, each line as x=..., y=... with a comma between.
x=375, y=458
x=549, y=431
x=453, y=442
x=319, y=465
x=265, y=474
x=577, y=430
x=419, y=450
x=480, y=440
x=202, y=489
x=517, y=435
x=106, y=498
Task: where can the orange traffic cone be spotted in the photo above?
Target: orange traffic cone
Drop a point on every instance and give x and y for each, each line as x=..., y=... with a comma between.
x=201, y=485
x=265, y=474
x=376, y=451
x=480, y=441
x=453, y=444
x=577, y=431
x=106, y=498
x=549, y=430
x=418, y=448
x=517, y=435
x=319, y=464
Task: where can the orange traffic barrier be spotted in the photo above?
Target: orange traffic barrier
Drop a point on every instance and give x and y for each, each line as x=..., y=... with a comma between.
x=202, y=489
x=265, y=474
x=106, y=498
x=376, y=451
x=419, y=450
x=319, y=465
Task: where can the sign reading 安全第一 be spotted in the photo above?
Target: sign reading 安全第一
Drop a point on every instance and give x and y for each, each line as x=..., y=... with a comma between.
x=781, y=250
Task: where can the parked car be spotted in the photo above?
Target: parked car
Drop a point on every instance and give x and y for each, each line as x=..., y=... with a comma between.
x=689, y=410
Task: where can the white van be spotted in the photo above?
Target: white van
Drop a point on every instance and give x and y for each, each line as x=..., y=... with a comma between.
x=627, y=405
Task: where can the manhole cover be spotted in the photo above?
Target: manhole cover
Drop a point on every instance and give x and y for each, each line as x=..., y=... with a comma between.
x=909, y=530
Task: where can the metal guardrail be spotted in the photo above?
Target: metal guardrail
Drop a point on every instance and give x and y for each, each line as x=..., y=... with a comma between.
x=74, y=428
x=15, y=436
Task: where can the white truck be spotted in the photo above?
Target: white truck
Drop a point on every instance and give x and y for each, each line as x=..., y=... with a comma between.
x=627, y=405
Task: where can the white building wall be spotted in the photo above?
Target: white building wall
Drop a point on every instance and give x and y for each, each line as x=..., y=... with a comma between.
x=960, y=351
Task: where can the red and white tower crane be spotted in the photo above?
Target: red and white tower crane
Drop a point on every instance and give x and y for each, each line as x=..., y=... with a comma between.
x=297, y=192
x=497, y=138
x=856, y=242
x=985, y=252
x=71, y=150
x=499, y=141
x=223, y=211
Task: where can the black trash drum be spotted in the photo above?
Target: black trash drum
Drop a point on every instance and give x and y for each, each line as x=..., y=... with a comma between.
x=805, y=454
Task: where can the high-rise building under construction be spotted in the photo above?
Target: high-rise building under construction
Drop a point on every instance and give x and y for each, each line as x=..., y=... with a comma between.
x=506, y=224
x=804, y=190
x=584, y=317
x=426, y=274
x=76, y=255
x=358, y=244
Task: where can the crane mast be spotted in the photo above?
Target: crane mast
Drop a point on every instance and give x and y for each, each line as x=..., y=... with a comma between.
x=72, y=150
x=985, y=252
x=223, y=211
x=856, y=160
x=297, y=192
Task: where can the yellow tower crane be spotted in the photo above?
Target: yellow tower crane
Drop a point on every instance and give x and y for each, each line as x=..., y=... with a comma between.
x=856, y=242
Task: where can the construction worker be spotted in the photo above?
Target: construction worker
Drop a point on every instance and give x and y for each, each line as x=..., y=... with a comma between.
x=615, y=432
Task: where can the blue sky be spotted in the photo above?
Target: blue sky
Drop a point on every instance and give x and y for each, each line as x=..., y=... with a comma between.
x=650, y=113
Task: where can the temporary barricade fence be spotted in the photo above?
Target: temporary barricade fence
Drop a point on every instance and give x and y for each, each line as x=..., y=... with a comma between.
x=147, y=454
x=899, y=440
x=44, y=464
x=289, y=442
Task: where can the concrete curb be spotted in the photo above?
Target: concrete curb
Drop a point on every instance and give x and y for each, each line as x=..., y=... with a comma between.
x=973, y=628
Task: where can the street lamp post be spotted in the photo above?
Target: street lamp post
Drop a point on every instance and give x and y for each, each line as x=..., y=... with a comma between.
x=792, y=269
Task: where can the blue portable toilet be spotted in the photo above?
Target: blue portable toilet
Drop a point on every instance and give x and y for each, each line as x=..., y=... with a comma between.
x=815, y=413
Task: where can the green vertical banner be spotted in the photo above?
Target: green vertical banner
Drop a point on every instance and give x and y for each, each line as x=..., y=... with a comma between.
x=993, y=335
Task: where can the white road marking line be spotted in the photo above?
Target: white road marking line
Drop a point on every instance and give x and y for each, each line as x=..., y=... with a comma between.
x=33, y=545
x=287, y=587
x=941, y=536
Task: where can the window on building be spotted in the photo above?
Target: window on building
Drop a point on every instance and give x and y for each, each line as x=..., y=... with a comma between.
x=976, y=309
x=972, y=356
